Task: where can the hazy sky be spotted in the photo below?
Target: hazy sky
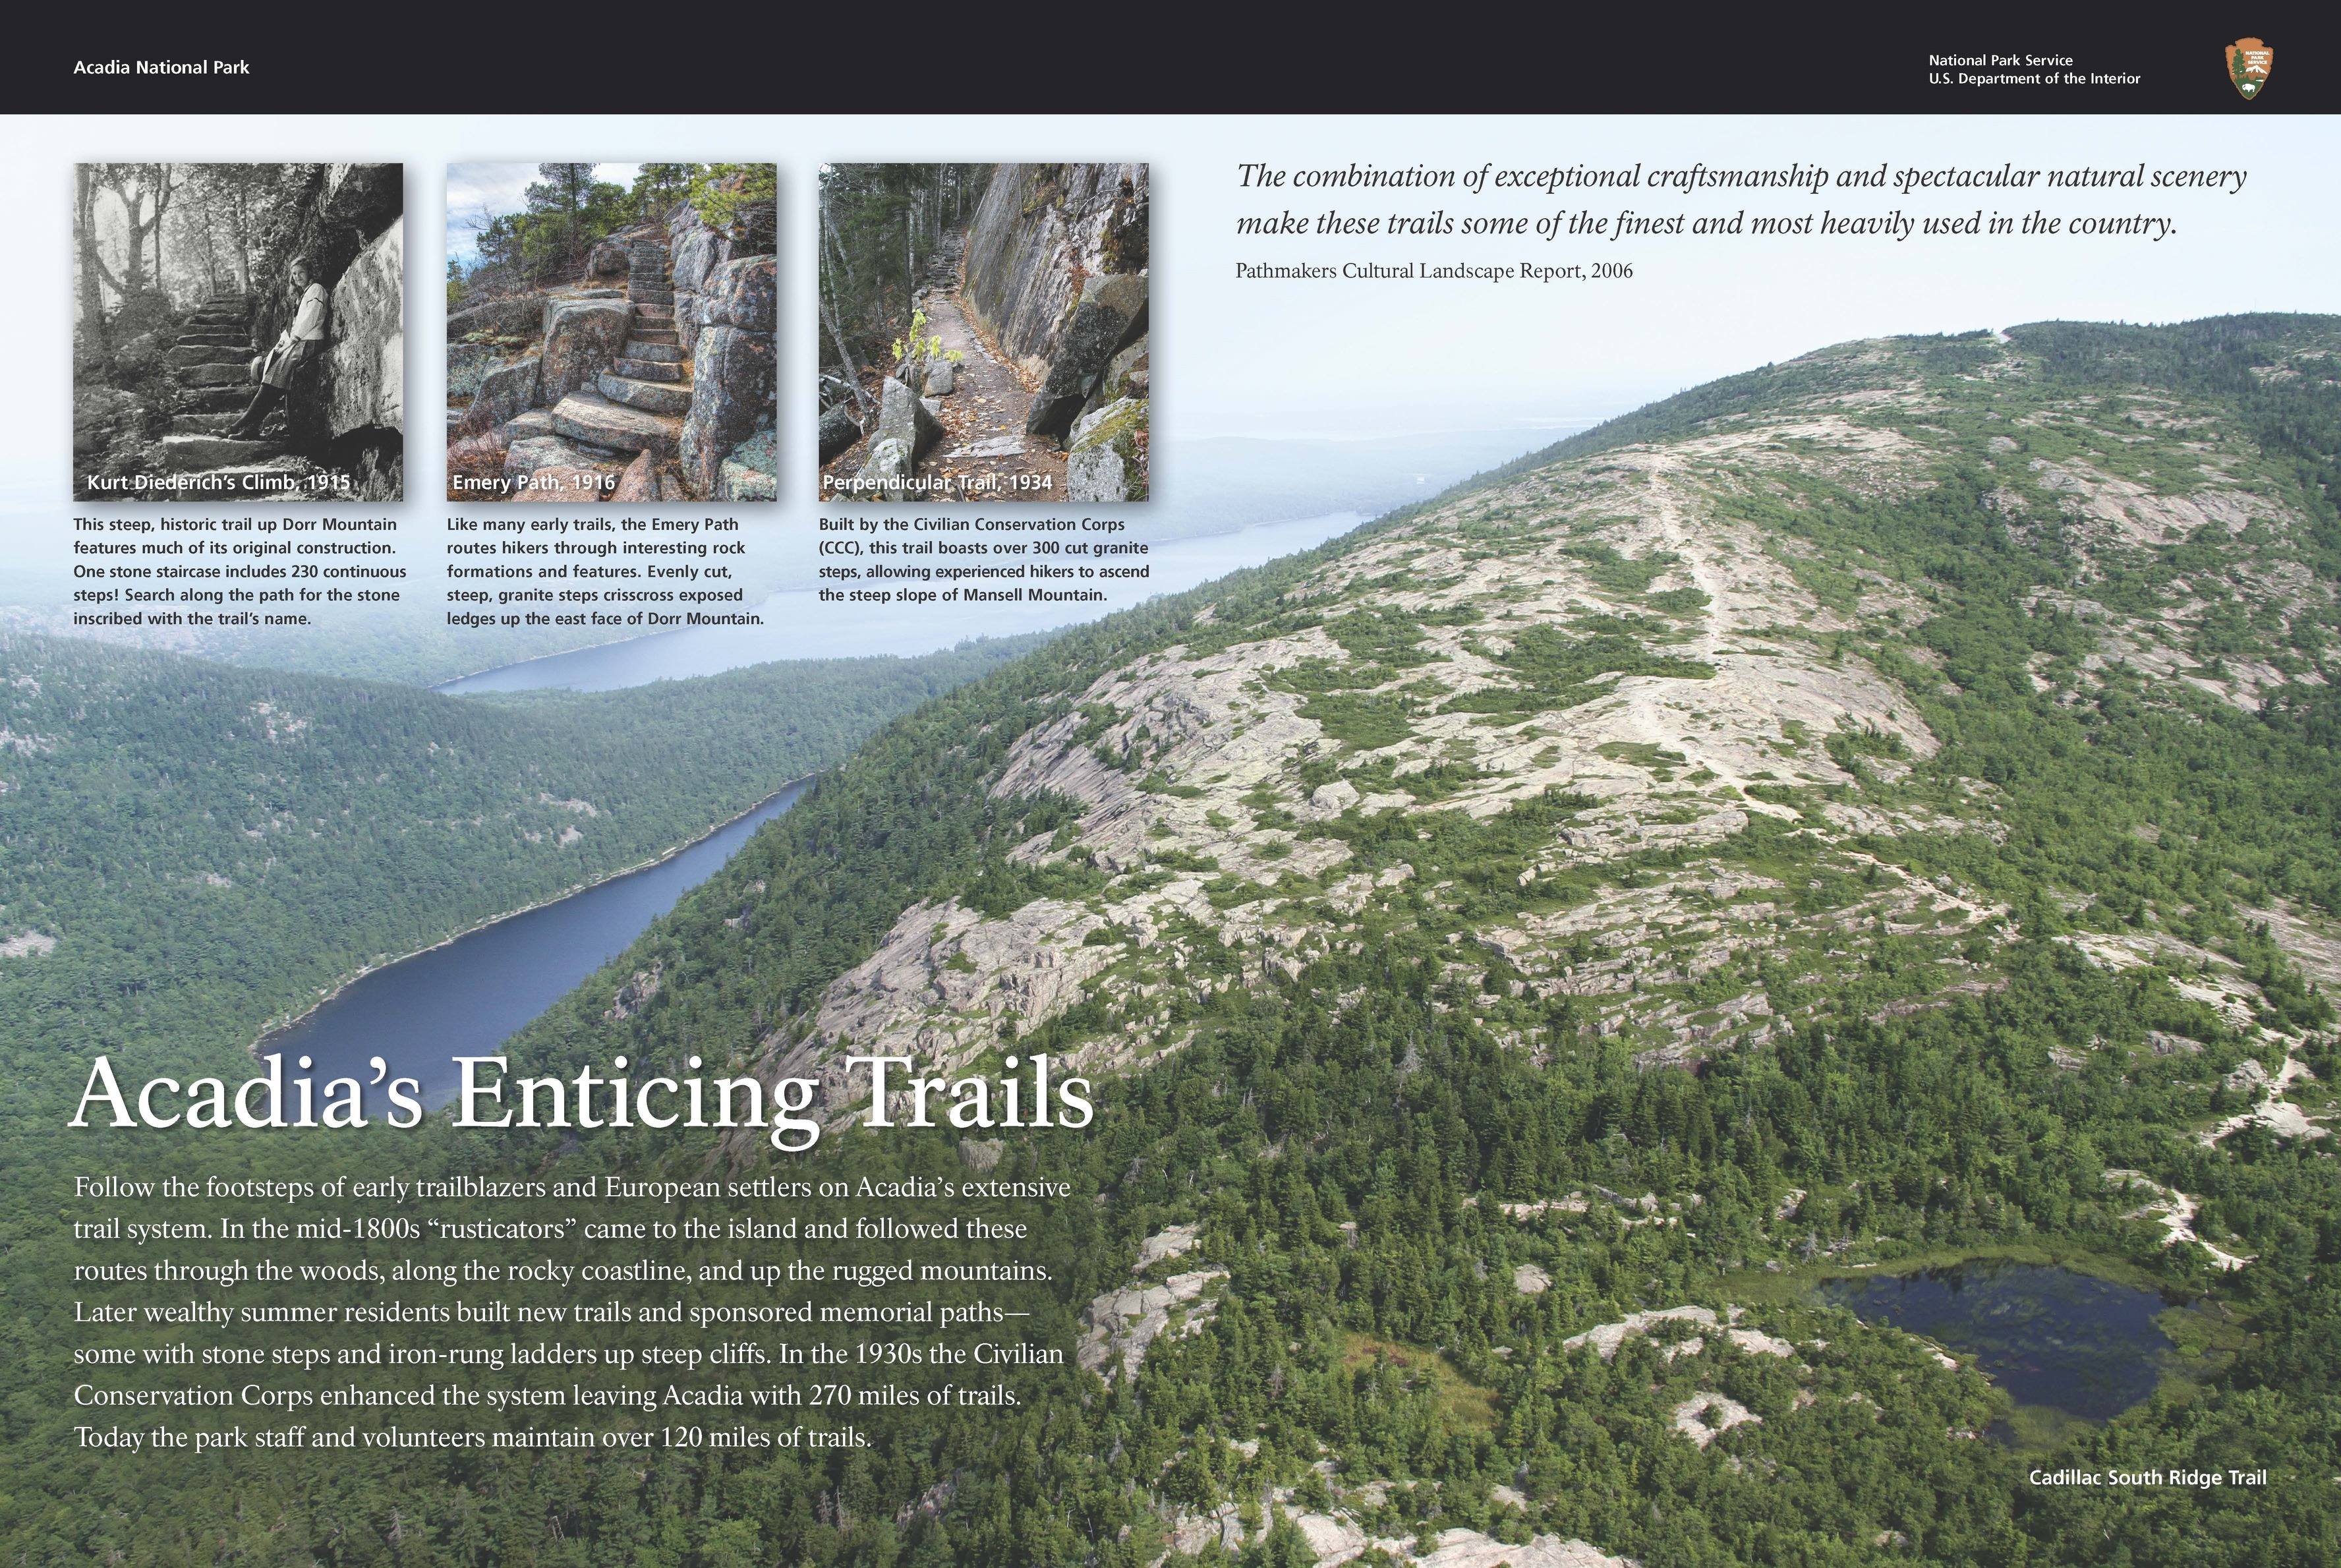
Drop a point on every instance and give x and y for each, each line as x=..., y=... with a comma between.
x=1348, y=359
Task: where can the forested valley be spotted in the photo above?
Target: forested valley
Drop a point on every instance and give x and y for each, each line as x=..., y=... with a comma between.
x=1871, y=813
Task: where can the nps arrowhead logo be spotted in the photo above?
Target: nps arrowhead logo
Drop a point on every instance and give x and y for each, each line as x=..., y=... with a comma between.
x=2249, y=61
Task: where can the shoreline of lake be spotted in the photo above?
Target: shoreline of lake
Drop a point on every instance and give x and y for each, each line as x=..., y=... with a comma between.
x=256, y=1049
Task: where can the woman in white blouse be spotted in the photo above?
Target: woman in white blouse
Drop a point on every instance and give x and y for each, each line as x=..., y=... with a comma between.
x=295, y=346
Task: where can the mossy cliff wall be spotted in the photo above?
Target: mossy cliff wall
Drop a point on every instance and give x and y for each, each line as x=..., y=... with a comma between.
x=348, y=407
x=1039, y=232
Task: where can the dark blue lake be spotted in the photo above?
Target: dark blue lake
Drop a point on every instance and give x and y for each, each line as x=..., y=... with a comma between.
x=468, y=996
x=2047, y=1335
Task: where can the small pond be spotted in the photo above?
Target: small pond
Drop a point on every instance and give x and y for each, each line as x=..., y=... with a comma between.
x=2082, y=1345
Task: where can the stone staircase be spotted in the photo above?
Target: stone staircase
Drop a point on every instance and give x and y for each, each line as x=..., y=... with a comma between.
x=943, y=267
x=210, y=367
x=639, y=403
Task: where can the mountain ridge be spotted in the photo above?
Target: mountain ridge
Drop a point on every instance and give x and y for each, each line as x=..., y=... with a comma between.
x=1421, y=900
x=1782, y=715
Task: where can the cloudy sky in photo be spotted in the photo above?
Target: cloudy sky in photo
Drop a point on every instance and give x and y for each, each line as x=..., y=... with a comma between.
x=477, y=193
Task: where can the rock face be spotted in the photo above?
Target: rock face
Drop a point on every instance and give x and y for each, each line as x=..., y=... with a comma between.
x=1127, y=374
x=582, y=338
x=741, y=294
x=1335, y=1541
x=698, y=252
x=1105, y=456
x=838, y=430
x=731, y=368
x=1040, y=229
x=548, y=469
x=1111, y=316
x=1174, y=1242
x=344, y=417
x=699, y=255
x=753, y=471
x=466, y=364
x=527, y=453
x=1606, y=1339
x=504, y=394
x=639, y=482
x=906, y=429
x=1121, y=1324
x=515, y=316
x=1706, y=1416
x=365, y=364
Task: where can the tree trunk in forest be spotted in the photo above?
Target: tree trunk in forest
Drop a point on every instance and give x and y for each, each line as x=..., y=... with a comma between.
x=825, y=291
x=162, y=205
x=853, y=370
x=242, y=246
x=124, y=183
x=92, y=273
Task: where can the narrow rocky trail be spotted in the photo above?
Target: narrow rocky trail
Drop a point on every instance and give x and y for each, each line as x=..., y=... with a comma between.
x=980, y=403
x=985, y=452
x=1679, y=537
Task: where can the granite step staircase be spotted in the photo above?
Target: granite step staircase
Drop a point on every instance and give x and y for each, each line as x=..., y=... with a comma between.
x=943, y=267
x=210, y=364
x=639, y=403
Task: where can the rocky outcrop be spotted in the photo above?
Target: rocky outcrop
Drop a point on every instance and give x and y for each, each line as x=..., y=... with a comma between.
x=1041, y=230
x=1120, y=1324
x=698, y=252
x=466, y=364
x=1707, y=1416
x=700, y=255
x=731, y=367
x=1127, y=374
x=639, y=482
x=365, y=361
x=517, y=315
x=658, y=391
x=752, y=472
x=583, y=338
x=906, y=430
x=504, y=394
x=838, y=430
x=1172, y=1242
x=552, y=470
x=1106, y=456
x=346, y=408
x=1111, y=317
x=1337, y=1540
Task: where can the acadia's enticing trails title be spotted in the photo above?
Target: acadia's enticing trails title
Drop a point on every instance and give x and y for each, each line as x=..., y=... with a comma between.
x=657, y=1103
